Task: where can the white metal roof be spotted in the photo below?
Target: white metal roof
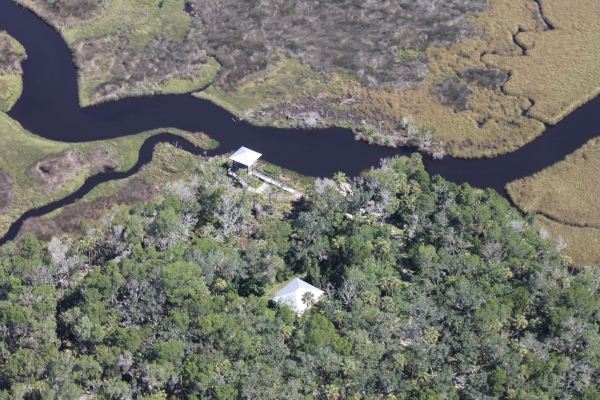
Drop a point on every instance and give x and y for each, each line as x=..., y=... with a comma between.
x=245, y=156
x=291, y=294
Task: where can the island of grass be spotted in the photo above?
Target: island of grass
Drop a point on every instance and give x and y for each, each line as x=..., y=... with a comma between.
x=129, y=48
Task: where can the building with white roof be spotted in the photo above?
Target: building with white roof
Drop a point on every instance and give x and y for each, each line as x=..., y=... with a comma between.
x=244, y=158
x=291, y=295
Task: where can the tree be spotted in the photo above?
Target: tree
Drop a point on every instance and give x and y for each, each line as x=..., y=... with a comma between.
x=340, y=178
x=308, y=298
x=220, y=286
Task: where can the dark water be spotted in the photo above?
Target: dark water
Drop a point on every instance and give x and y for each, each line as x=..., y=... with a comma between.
x=49, y=107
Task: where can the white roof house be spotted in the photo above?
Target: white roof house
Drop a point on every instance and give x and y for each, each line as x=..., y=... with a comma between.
x=245, y=156
x=291, y=295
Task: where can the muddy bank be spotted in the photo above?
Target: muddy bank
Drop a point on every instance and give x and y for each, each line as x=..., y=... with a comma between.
x=53, y=171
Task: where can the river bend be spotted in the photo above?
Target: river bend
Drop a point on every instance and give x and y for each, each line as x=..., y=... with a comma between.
x=49, y=107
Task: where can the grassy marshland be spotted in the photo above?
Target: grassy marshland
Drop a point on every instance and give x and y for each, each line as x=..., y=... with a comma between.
x=11, y=83
x=258, y=71
x=21, y=150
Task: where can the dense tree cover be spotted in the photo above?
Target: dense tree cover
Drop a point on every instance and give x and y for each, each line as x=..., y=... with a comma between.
x=433, y=291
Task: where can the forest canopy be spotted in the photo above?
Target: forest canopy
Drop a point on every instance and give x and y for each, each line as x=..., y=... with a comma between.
x=433, y=291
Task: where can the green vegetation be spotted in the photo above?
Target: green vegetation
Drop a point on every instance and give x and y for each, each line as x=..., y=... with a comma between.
x=463, y=299
x=408, y=54
x=40, y=171
x=11, y=83
x=11, y=86
x=286, y=80
x=142, y=20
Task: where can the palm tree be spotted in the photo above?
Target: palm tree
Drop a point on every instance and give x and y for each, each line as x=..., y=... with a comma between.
x=338, y=242
x=220, y=286
x=308, y=298
x=340, y=177
x=382, y=246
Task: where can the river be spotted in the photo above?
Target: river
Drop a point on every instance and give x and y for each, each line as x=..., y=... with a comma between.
x=49, y=107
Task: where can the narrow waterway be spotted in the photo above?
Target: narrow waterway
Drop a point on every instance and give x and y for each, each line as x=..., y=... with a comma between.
x=49, y=108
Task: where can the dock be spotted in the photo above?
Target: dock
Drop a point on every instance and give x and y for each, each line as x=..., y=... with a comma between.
x=271, y=180
x=246, y=159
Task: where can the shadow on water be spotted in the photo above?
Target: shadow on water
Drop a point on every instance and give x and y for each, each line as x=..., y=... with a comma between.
x=49, y=107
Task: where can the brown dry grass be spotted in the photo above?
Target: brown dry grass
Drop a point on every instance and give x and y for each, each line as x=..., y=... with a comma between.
x=583, y=244
x=494, y=122
x=562, y=68
x=565, y=198
x=567, y=192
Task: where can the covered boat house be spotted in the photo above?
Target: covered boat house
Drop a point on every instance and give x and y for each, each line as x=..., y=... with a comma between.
x=244, y=158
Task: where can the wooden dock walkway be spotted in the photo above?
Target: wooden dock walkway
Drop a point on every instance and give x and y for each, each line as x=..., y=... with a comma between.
x=263, y=176
x=237, y=178
x=269, y=179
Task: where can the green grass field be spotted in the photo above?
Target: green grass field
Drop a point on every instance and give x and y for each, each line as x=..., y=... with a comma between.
x=11, y=86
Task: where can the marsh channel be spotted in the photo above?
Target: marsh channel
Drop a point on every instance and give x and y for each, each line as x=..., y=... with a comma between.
x=49, y=107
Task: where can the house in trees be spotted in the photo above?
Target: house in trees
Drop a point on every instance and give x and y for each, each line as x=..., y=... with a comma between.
x=298, y=295
x=244, y=158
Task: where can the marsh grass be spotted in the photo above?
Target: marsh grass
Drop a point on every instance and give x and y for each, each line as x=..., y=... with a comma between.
x=583, y=244
x=168, y=164
x=493, y=124
x=567, y=192
x=126, y=29
x=11, y=87
x=286, y=79
x=12, y=54
x=561, y=70
x=66, y=13
x=138, y=20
